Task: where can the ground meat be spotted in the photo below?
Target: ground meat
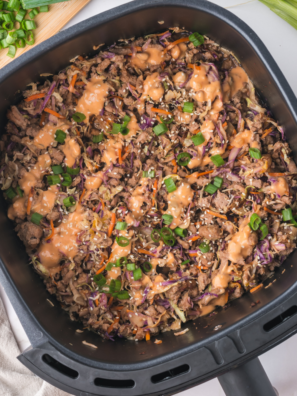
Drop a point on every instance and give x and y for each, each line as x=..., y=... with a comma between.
x=211, y=232
x=57, y=156
x=17, y=118
x=30, y=234
x=203, y=281
x=221, y=202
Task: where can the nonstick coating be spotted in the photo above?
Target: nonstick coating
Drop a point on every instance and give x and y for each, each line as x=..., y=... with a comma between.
x=137, y=19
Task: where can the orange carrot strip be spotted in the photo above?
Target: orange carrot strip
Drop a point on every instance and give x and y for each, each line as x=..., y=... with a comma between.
x=195, y=174
x=159, y=119
x=42, y=119
x=120, y=156
x=134, y=331
x=112, y=224
x=81, y=196
x=117, y=308
x=77, y=132
x=181, y=40
x=53, y=232
x=267, y=132
x=110, y=301
x=216, y=214
x=225, y=124
x=73, y=81
x=161, y=34
x=196, y=131
x=276, y=174
x=80, y=83
x=192, y=66
x=80, y=58
x=161, y=111
x=30, y=199
x=272, y=212
x=255, y=192
x=132, y=86
x=175, y=166
x=112, y=325
x=193, y=254
x=116, y=96
x=242, y=155
x=96, y=303
x=102, y=203
x=143, y=251
x=256, y=288
x=125, y=156
x=101, y=269
x=230, y=147
x=47, y=110
x=147, y=336
x=36, y=96
x=102, y=261
x=194, y=238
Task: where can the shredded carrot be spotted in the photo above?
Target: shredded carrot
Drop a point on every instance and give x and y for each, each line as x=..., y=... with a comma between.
x=47, y=110
x=80, y=58
x=81, y=196
x=87, y=257
x=132, y=86
x=73, y=81
x=52, y=233
x=242, y=155
x=195, y=174
x=256, y=288
x=101, y=262
x=147, y=336
x=112, y=224
x=267, y=132
x=30, y=199
x=276, y=174
x=216, y=214
x=120, y=156
x=96, y=302
x=192, y=66
x=272, y=212
x=180, y=108
x=116, y=96
x=117, y=308
x=112, y=325
x=101, y=269
x=193, y=254
x=161, y=111
x=155, y=191
x=230, y=147
x=129, y=310
x=201, y=267
x=134, y=331
x=102, y=203
x=80, y=83
x=161, y=34
x=181, y=40
x=225, y=124
x=159, y=119
x=143, y=251
x=110, y=301
x=42, y=119
x=175, y=166
x=255, y=192
x=194, y=238
x=36, y=96
x=77, y=132
x=196, y=131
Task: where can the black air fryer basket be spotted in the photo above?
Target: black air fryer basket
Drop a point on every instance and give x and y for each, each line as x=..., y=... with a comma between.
x=215, y=346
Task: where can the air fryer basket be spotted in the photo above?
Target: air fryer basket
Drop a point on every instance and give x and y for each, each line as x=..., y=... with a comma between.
x=214, y=345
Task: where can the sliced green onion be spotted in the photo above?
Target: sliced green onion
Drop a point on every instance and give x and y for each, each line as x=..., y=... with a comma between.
x=5, y=6
x=78, y=117
x=29, y=38
x=121, y=225
x=19, y=191
x=69, y=201
x=122, y=241
x=53, y=179
x=264, y=231
x=97, y=138
x=126, y=121
x=118, y=285
x=1, y=4
x=160, y=129
x=57, y=169
x=165, y=85
x=7, y=25
x=29, y=25
x=204, y=247
x=67, y=180
x=155, y=235
x=167, y=236
x=36, y=218
x=210, y=189
x=124, y=131
x=72, y=171
x=11, y=38
x=11, y=51
x=137, y=274
x=146, y=266
x=131, y=267
x=166, y=121
x=60, y=136
x=150, y=173
x=99, y=280
x=20, y=33
x=183, y=159
x=43, y=8
x=198, y=139
x=116, y=128
x=167, y=219
x=170, y=185
x=14, y=5
x=255, y=222
x=8, y=17
x=287, y=214
x=188, y=107
x=196, y=38
x=10, y=193
x=170, y=241
x=4, y=43
x=218, y=182
x=255, y=153
x=123, y=295
x=3, y=34
x=20, y=15
x=109, y=266
x=112, y=286
x=185, y=262
x=217, y=160
x=20, y=43
x=121, y=261
x=182, y=232
x=33, y=13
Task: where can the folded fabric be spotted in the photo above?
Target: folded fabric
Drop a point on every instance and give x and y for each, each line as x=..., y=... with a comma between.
x=16, y=379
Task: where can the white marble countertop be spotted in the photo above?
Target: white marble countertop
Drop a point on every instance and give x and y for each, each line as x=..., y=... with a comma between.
x=280, y=38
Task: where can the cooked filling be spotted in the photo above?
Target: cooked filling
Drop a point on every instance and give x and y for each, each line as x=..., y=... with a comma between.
x=148, y=184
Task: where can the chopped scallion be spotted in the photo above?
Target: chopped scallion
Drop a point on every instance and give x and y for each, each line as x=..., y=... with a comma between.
x=10, y=193
x=137, y=274
x=188, y=107
x=60, y=136
x=255, y=153
x=204, y=247
x=183, y=159
x=196, y=38
x=210, y=189
x=57, y=169
x=121, y=225
x=97, y=138
x=53, y=179
x=78, y=117
x=182, y=232
x=72, y=171
x=217, y=160
x=167, y=219
x=36, y=218
x=218, y=182
x=160, y=129
x=69, y=201
x=170, y=185
x=198, y=139
x=11, y=51
x=67, y=180
x=130, y=267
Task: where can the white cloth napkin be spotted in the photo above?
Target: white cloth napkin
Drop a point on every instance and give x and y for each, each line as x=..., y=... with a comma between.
x=16, y=379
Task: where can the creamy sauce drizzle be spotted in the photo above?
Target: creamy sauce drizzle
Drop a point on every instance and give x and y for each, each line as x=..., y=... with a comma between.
x=92, y=101
x=45, y=201
x=242, y=138
x=205, y=90
x=153, y=87
x=152, y=56
x=235, y=83
x=280, y=187
x=179, y=51
x=239, y=246
x=137, y=198
x=178, y=200
x=93, y=182
x=111, y=151
x=18, y=209
x=31, y=178
x=117, y=251
x=179, y=78
x=220, y=301
x=46, y=135
x=71, y=149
